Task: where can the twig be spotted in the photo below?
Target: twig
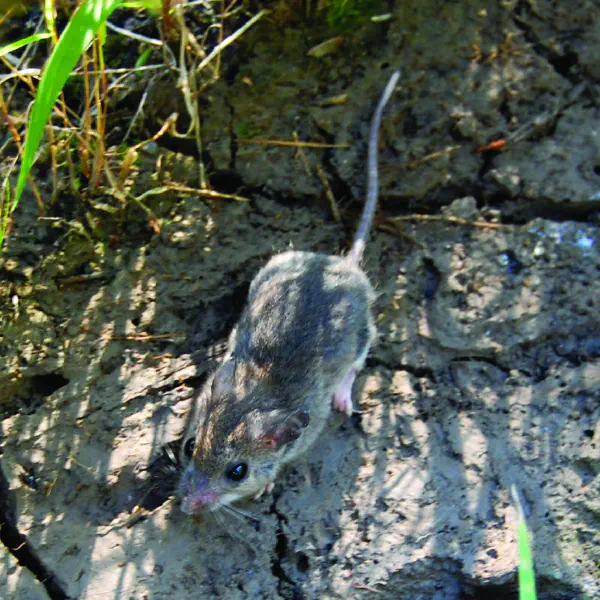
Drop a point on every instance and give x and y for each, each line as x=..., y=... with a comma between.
x=221, y=34
x=124, y=70
x=189, y=190
x=17, y=141
x=329, y=194
x=221, y=27
x=446, y=219
x=395, y=229
x=230, y=39
x=187, y=85
x=168, y=124
x=139, y=337
x=367, y=588
x=434, y=155
x=54, y=164
x=542, y=121
x=135, y=36
x=16, y=137
x=100, y=82
x=140, y=108
x=292, y=143
x=85, y=150
x=36, y=73
x=302, y=156
x=21, y=74
x=132, y=153
x=24, y=56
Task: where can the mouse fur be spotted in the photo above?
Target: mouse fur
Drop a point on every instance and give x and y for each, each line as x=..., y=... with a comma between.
x=302, y=337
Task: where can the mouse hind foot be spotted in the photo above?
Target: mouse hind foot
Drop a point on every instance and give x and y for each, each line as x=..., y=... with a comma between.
x=342, y=396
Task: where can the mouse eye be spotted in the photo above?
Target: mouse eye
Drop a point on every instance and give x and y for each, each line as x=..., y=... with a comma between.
x=237, y=472
x=188, y=449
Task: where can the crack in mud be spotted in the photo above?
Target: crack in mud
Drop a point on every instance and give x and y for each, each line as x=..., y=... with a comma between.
x=477, y=358
x=281, y=553
x=373, y=362
x=340, y=188
x=16, y=543
x=543, y=356
x=512, y=211
x=562, y=63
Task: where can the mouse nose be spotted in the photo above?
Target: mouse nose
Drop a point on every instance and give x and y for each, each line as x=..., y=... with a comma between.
x=193, y=505
x=196, y=495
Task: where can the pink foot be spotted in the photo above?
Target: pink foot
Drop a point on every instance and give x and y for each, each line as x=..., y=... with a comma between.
x=266, y=490
x=342, y=397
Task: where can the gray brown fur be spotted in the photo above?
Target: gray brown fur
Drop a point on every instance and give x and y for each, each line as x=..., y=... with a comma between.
x=306, y=324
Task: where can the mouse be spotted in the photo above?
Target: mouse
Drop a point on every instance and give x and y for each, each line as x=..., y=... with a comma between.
x=291, y=359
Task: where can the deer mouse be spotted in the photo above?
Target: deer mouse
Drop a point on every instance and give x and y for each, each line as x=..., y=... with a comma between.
x=301, y=339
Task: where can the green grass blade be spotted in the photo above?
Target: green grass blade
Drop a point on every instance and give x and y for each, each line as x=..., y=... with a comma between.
x=49, y=17
x=143, y=58
x=154, y=6
x=76, y=37
x=24, y=42
x=526, y=571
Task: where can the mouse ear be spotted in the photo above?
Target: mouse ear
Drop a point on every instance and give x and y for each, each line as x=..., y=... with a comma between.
x=223, y=381
x=278, y=427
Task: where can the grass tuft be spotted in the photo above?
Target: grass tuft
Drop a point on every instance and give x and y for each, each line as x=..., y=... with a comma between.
x=83, y=139
x=75, y=39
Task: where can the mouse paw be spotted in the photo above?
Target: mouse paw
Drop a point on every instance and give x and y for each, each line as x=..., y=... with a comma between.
x=342, y=397
x=343, y=404
x=266, y=490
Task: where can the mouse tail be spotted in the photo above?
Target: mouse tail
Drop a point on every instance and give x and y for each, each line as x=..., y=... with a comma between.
x=366, y=220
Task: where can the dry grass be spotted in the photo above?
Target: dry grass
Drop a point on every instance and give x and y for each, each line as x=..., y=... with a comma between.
x=86, y=159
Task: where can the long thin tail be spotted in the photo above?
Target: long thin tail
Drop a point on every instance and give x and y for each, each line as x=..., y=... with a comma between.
x=366, y=220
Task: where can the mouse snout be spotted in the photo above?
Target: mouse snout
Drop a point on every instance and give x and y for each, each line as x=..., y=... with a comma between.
x=195, y=491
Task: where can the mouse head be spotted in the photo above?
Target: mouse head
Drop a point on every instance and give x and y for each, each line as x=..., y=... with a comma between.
x=236, y=450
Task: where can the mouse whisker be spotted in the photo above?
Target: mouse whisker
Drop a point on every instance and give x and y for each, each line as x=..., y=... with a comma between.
x=221, y=521
x=236, y=516
x=243, y=515
x=238, y=512
x=232, y=532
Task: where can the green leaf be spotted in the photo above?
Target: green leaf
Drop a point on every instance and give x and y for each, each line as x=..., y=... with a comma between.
x=143, y=58
x=24, y=42
x=526, y=571
x=77, y=36
x=154, y=6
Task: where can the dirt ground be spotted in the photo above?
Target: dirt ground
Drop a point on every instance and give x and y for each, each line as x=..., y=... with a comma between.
x=485, y=374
